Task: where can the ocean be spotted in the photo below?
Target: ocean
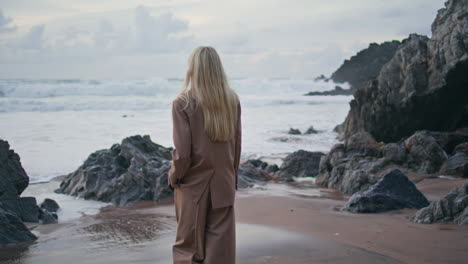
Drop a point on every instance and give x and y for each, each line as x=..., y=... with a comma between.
x=55, y=124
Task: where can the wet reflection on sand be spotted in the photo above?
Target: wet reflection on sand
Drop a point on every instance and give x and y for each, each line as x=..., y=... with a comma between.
x=139, y=235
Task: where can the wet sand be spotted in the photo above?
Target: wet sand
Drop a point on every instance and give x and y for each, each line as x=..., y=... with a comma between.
x=275, y=224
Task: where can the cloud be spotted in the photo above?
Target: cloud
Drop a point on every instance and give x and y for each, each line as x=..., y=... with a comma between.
x=158, y=34
x=32, y=40
x=5, y=24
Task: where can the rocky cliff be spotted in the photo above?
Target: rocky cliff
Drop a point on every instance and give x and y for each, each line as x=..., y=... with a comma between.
x=365, y=65
x=423, y=86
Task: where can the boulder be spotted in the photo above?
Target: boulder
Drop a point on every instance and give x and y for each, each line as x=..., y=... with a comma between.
x=294, y=131
x=47, y=217
x=422, y=87
x=462, y=147
x=131, y=171
x=425, y=155
x=311, y=130
x=50, y=205
x=12, y=230
x=451, y=208
x=365, y=65
x=13, y=178
x=361, y=161
x=456, y=165
x=393, y=191
x=249, y=174
x=24, y=207
x=300, y=163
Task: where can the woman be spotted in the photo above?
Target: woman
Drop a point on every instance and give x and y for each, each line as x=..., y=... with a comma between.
x=207, y=139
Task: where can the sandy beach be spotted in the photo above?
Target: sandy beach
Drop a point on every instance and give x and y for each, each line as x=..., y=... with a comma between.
x=298, y=224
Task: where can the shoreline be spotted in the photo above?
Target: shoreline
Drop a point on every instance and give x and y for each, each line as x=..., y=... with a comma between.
x=296, y=225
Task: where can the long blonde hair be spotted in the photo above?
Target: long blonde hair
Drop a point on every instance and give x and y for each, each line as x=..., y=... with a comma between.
x=206, y=86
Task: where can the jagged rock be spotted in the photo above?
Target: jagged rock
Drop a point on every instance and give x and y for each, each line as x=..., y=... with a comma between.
x=131, y=171
x=393, y=191
x=24, y=207
x=337, y=91
x=422, y=87
x=47, y=217
x=446, y=140
x=12, y=230
x=321, y=77
x=456, y=165
x=311, y=130
x=424, y=153
x=294, y=131
x=300, y=163
x=463, y=147
x=272, y=168
x=50, y=205
x=361, y=160
x=365, y=65
x=13, y=178
x=451, y=208
x=248, y=175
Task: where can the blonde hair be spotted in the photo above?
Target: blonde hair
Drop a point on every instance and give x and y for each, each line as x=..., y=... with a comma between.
x=206, y=86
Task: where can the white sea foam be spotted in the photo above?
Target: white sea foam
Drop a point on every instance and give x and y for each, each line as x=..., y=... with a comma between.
x=55, y=124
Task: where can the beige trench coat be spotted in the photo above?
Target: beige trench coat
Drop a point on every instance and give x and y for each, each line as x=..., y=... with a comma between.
x=197, y=161
x=204, y=175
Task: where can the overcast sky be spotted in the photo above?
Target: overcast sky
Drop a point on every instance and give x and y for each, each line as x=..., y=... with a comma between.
x=143, y=39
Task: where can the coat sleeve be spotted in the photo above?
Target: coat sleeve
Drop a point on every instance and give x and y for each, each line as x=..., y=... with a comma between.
x=182, y=137
x=238, y=142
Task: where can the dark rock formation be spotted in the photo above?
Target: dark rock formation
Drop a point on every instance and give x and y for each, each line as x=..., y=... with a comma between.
x=13, y=181
x=131, y=171
x=50, y=205
x=252, y=172
x=424, y=153
x=456, y=165
x=365, y=65
x=311, y=130
x=24, y=207
x=393, y=191
x=463, y=148
x=294, y=131
x=337, y=91
x=452, y=208
x=300, y=164
x=12, y=230
x=360, y=161
x=13, y=178
x=423, y=87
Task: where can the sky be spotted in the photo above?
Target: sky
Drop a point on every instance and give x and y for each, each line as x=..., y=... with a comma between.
x=128, y=39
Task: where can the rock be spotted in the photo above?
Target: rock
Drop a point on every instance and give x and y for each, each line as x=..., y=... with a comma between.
x=425, y=154
x=272, y=168
x=422, y=87
x=50, y=205
x=365, y=65
x=131, y=171
x=13, y=178
x=311, y=130
x=463, y=147
x=248, y=175
x=446, y=140
x=321, y=77
x=362, y=141
x=361, y=161
x=451, y=208
x=24, y=207
x=12, y=230
x=393, y=191
x=293, y=131
x=47, y=217
x=337, y=91
x=456, y=165
x=300, y=163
